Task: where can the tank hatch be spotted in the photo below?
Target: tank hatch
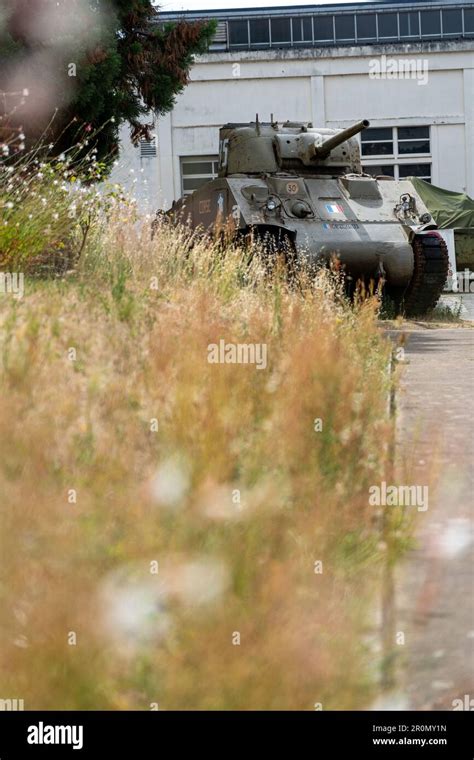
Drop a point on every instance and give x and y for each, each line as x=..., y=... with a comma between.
x=361, y=188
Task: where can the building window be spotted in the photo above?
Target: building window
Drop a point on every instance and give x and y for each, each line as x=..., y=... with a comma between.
x=452, y=22
x=302, y=30
x=281, y=31
x=388, y=26
x=238, y=33
x=398, y=146
x=345, y=28
x=387, y=170
x=469, y=21
x=409, y=24
x=148, y=148
x=400, y=171
x=366, y=27
x=422, y=170
x=430, y=23
x=323, y=29
x=377, y=141
x=196, y=171
x=413, y=140
x=260, y=31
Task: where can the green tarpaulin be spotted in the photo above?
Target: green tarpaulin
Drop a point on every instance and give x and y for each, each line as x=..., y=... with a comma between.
x=448, y=209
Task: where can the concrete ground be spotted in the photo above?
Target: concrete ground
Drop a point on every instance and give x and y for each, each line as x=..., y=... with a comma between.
x=462, y=301
x=435, y=585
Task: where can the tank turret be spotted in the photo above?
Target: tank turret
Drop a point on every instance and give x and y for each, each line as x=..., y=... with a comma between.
x=269, y=148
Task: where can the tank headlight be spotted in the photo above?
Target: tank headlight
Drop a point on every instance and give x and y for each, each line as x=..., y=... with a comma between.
x=271, y=204
x=425, y=218
x=300, y=209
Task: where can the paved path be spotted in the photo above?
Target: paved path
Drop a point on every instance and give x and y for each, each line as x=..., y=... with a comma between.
x=435, y=589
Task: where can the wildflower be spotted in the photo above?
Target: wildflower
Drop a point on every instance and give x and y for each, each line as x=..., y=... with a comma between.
x=134, y=614
x=136, y=607
x=169, y=484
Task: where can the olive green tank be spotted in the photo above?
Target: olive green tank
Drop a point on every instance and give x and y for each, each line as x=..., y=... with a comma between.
x=304, y=189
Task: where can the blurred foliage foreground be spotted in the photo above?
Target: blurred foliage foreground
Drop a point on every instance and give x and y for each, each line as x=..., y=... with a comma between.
x=175, y=531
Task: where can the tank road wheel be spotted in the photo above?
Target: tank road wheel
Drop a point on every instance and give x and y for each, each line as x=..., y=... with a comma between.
x=430, y=272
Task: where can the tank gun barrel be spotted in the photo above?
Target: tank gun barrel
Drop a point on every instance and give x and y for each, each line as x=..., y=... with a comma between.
x=323, y=150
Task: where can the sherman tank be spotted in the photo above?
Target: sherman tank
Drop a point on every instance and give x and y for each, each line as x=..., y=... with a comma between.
x=304, y=189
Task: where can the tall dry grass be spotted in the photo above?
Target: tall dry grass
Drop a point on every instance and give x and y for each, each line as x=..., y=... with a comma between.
x=157, y=509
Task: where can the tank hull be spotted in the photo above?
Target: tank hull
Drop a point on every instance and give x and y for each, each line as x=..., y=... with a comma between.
x=351, y=218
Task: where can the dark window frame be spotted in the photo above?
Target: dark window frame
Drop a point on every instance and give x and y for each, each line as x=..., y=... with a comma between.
x=409, y=26
x=363, y=16
x=289, y=39
x=245, y=23
x=324, y=40
x=260, y=43
x=410, y=35
x=467, y=32
x=396, y=34
x=210, y=159
x=446, y=12
x=431, y=35
x=398, y=159
x=343, y=17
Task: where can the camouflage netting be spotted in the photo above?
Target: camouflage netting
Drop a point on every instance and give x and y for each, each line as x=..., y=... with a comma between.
x=449, y=209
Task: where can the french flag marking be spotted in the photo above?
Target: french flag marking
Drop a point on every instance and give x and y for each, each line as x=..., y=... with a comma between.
x=334, y=208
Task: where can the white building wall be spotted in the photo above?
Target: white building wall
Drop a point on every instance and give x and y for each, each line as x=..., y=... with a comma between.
x=140, y=176
x=332, y=88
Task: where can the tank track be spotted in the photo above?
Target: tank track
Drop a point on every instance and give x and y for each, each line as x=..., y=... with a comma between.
x=430, y=271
